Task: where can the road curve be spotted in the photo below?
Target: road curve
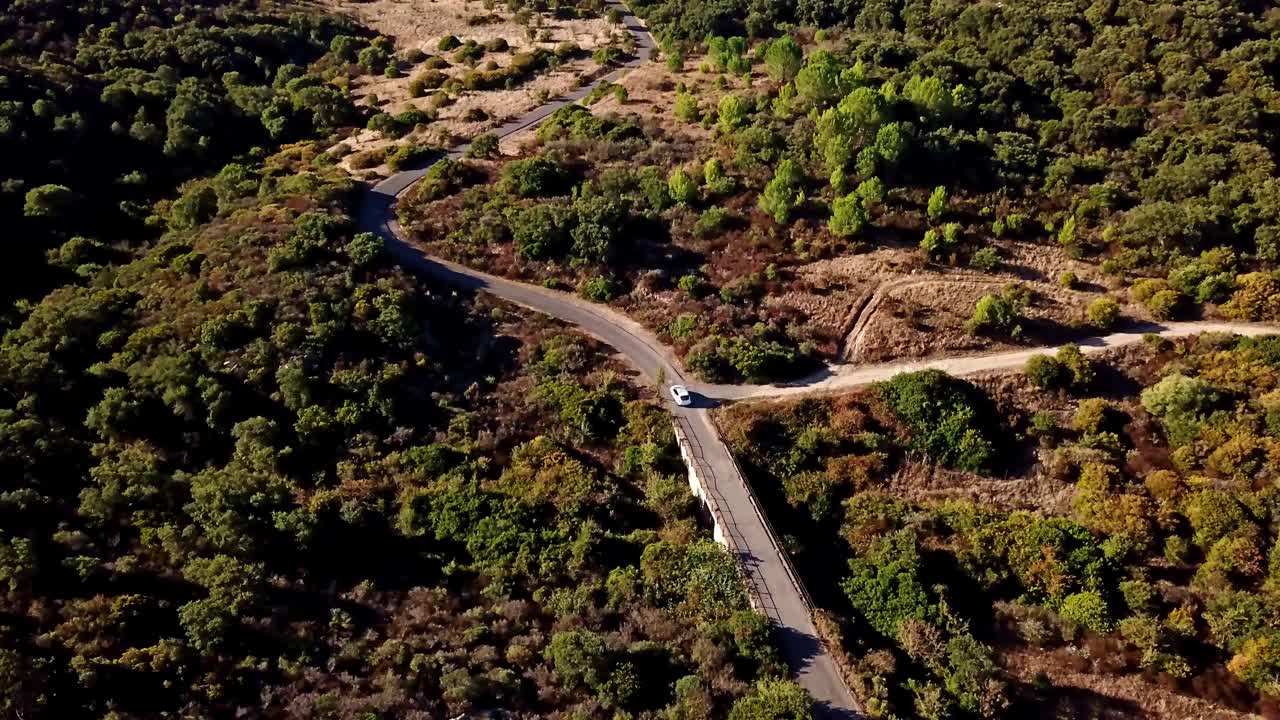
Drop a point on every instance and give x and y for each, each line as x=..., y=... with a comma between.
x=767, y=569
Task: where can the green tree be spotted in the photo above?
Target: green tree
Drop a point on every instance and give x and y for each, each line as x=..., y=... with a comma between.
x=783, y=59
x=783, y=193
x=950, y=420
x=937, y=202
x=686, y=107
x=819, y=80
x=364, y=250
x=848, y=215
x=732, y=112
x=684, y=191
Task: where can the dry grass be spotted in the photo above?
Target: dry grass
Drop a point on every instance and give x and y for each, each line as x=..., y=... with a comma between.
x=1086, y=694
x=651, y=99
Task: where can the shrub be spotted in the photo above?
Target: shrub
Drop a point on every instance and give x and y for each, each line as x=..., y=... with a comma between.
x=1046, y=372
x=1182, y=403
x=715, y=179
x=364, y=250
x=692, y=284
x=598, y=289
x=426, y=80
x=367, y=159
x=373, y=58
x=607, y=55
x=773, y=699
x=48, y=201
x=496, y=45
x=534, y=177
x=1103, y=313
x=540, y=231
x=1090, y=416
x=1163, y=304
x=710, y=223
x=448, y=42
x=1043, y=423
x=1087, y=609
x=443, y=178
x=484, y=145
x=872, y=191
x=886, y=585
x=1257, y=298
x=934, y=244
x=1068, y=279
x=1080, y=367
x=986, y=259
x=998, y=314
x=403, y=156
x=675, y=59
x=950, y=420
x=686, y=108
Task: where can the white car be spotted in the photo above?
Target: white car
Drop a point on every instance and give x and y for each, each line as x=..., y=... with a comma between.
x=681, y=395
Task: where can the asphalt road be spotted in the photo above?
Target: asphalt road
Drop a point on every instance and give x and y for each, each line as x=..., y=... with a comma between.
x=767, y=569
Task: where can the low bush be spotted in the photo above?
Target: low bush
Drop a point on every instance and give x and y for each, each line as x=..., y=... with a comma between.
x=949, y=419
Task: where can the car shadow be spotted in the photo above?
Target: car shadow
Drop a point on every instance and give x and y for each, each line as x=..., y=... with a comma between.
x=698, y=401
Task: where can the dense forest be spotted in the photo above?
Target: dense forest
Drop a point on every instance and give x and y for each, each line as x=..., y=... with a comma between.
x=105, y=106
x=250, y=469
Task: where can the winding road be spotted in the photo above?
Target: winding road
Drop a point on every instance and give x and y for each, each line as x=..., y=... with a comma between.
x=768, y=570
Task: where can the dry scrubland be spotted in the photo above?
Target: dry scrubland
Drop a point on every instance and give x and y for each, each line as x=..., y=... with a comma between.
x=421, y=24
x=875, y=299
x=1085, y=483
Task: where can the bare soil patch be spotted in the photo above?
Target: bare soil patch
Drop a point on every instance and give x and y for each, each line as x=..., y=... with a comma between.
x=911, y=309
